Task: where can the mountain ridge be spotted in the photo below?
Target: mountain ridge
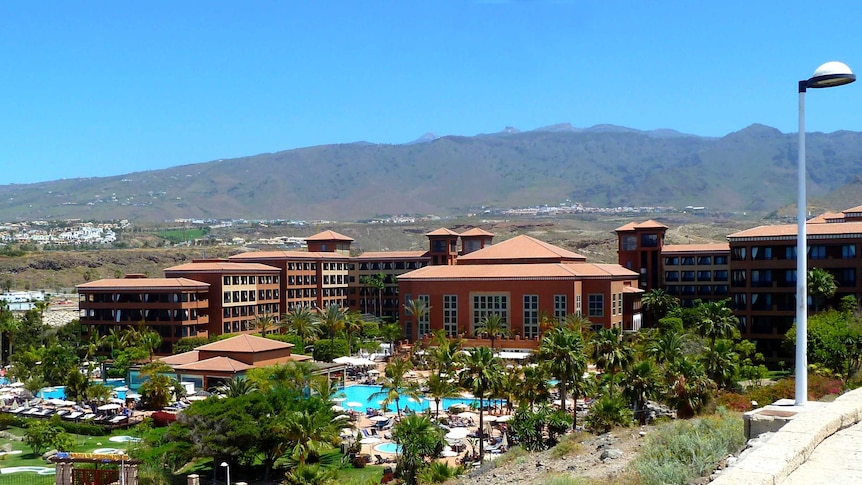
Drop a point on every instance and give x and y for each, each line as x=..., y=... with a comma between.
x=752, y=169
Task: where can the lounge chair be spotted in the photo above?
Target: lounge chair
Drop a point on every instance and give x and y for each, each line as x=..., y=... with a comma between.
x=73, y=415
x=88, y=417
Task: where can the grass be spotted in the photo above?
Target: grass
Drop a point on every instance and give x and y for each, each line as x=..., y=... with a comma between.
x=176, y=235
x=568, y=445
x=83, y=444
x=359, y=476
x=684, y=450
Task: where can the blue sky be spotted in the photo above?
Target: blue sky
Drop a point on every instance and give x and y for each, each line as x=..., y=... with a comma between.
x=105, y=88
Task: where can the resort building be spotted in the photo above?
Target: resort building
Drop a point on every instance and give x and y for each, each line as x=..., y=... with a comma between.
x=696, y=272
x=523, y=280
x=172, y=307
x=369, y=268
x=240, y=293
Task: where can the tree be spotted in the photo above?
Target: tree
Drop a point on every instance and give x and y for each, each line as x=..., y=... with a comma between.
x=311, y=431
x=481, y=375
x=264, y=323
x=690, y=388
x=160, y=387
x=420, y=441
x=715, y=321
x=834, y=341
x=493, y=326
x=40, y=435
x=378, y=284
x=440, y=388
x=236, y=386
x=534, y=385
x=390, y=333
x=301, y=322
x=310, y=475
x=442, y=352
x=562, y=353
x=821, y=287
x=612, y=353
x=150, y=340
x=642, y=383
x=352, y=326
x=393, y=384
x=418, y=309
x=659, y=303
x=331, y=319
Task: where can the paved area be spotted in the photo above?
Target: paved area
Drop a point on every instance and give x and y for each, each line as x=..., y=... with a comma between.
x=837, y=460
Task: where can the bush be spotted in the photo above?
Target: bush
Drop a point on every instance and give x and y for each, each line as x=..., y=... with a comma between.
x=296, y=340
x=188, y=343
x=162, y=418
x=325, y=349
x=684, y=450
x=10, y=421
x=607, y=413
x=735, y=401
x=569, y=445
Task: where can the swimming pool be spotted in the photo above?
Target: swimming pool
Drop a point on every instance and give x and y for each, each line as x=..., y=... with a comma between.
x=361, y=394
x=392, y=448
x=59, y=392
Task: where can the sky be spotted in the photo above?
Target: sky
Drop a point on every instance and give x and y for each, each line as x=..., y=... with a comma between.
x=103, y=88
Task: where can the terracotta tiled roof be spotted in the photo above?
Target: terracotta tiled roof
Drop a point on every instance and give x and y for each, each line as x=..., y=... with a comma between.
x=827, y=217
x=858, y=208
x=284, y=255
x=221, y=267
x=215, y=364
x=328, y=236
x=476, y=231
x=442, y=232
x=245, y=343
x=523, y=248
x=789, y=230
x=518, y=271
x=632, y=289
x=181, y=359
x=650, y=224
x=387, y=255
x=144, y=284
x=695, y=248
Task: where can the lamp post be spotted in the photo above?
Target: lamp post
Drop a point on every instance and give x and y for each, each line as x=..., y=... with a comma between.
x=826, y=76
x=227, y=472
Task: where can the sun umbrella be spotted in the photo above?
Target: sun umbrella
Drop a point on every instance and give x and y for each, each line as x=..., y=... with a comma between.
x=468, y=414
x=108, y=407
x=343, y=360
x=339, y=399
x=505, y=442
x=336, y=407
x=378, y=418
x=503, y=419
x=369, y=440
x=354, y=404
x=490, y=419
x=460, y=405
x=457, y=433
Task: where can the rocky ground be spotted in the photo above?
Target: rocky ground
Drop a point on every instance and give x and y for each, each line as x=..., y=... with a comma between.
x=597, y=459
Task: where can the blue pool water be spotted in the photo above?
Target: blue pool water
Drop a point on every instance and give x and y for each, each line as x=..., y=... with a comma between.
x=362, y=394
x=388, y=448
x=59, y=392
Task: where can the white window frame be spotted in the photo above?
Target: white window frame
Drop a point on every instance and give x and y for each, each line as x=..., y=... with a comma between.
x=531, y=316
x=450, y=315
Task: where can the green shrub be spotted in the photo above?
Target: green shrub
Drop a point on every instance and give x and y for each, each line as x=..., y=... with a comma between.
x=681, y=451
x=189, y=343
x=325, y=349
x=10, y=421
x=568, y=445
x=607, y=413
x=296, y=340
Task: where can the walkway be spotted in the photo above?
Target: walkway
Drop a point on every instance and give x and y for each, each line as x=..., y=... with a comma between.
x=819, y=447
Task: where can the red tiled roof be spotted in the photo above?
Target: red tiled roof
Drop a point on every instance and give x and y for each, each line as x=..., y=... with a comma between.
x=476, y=231
x=222, y=267
x=285, y=255
x=181, y=359
x=387, y=255
x=858, y=208
x=632, y=289
x=215, y=364
x=524, y=248
x=827, y=217
x=144, y=284
x=695, y=248
x=245, y=343
x=650, y=224
x=442, y=232
x=789, y=230
x=328, y=236
x=519, y=271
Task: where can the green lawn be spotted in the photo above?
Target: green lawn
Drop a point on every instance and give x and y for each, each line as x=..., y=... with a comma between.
x=84, y=444
x=360, y=476
x=176, y=235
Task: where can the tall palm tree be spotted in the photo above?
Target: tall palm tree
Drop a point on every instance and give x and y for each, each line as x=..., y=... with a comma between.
x=715, y=320
x=534, y=386
x=562, y=353
x=493, y=326
x=442, y=352
x=821, y=287
x=612, y=353
x=481, y=375
x=418, y=309
x=264, y=323
x=311, y=431
x=301, y=322
x=641, y=384
x=378, y=284
x=352, y=326
x=659, y=303
x=420, y=441
x=390, y=332
x=237, y=386
x=8, y=326
x=331, y=319
x=666, y=347
x=393, y=384
x=151, y=341
x=440, y=388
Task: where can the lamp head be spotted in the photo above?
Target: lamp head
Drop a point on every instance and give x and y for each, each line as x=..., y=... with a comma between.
x=224, y=464
x=831, y=74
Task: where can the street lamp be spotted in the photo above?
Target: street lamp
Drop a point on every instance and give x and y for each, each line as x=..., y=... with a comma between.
x=227, y=471
x=826, y=76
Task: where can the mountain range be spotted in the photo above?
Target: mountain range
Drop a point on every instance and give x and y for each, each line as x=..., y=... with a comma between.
x=753, y=169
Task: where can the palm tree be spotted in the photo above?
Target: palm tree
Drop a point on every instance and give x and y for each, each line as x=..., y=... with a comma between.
x=481, y=375
x=393, y=384
x=442, y=352
x=821, y=287
x=264, y=323
x=352, y=326
x=8, y=325
x=418, y=309
x=641, y=384
x=440, y=388
x=666, y=347
x=612, y=353
x=390, y=332
x=659, y=303
x=534, y=386
x=150, y=340
x=311, y=431
x=331, y=319
x=300, y=321
x=420, y=440
x=378, y=284
x=562, y=353
x=160, y=387
x=509, y=386
x=493, y=326
x=310, y=475
x=715, y=320
x=690, y=388
x=237, y=386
